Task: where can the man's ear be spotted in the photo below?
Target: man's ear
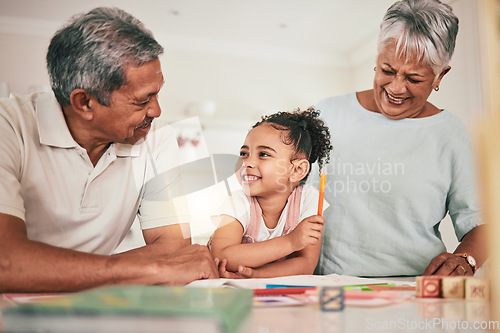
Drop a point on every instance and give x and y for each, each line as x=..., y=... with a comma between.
x=300, y=170
x=82, y=103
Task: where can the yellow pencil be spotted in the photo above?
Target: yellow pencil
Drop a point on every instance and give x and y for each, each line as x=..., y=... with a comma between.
x=322, y=190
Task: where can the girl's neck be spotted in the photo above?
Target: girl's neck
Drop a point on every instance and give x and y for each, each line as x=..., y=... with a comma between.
x=273, y=206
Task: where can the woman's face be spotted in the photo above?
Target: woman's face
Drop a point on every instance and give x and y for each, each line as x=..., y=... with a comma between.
x=402, y=87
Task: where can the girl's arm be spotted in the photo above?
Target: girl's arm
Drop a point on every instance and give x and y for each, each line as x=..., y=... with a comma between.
x=226, y=244
x=303, y=264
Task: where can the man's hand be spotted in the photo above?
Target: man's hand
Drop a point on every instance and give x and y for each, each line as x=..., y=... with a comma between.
x=191, y=263
x=448, y=264
x=308, y=232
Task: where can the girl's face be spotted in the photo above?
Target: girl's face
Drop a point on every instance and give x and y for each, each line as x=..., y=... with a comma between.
x=266, y=162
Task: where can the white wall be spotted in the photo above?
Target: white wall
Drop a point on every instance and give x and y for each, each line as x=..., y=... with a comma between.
x=243, y=88
x=22, y=62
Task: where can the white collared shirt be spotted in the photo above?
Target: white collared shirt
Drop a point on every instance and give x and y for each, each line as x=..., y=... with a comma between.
x=48, y=180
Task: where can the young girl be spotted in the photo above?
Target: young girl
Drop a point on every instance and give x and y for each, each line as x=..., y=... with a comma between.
x=270, y=227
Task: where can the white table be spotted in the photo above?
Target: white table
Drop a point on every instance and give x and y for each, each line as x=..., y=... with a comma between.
x=419, y=315
x=414, y=315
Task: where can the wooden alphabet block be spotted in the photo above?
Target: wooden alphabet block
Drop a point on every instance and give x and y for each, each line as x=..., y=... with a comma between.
x=428, y=286
x=477, y=289
x=331, y=299
x=452, y=287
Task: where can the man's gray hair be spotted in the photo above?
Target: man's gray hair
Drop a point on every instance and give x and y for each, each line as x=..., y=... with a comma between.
x=424, y=30
x=92, y=51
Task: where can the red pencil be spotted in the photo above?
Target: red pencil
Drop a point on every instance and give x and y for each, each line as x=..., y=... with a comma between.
x=281, y=291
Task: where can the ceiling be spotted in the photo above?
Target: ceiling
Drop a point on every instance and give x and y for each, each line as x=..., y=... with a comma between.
x=310, y=31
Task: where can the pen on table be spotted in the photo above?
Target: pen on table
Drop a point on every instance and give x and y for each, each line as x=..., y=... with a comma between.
x=282, y=291
x=379, y=287
x=366, y=287
x=270, y=286
x=313, y=291
x=365, y=296
x=322, y=190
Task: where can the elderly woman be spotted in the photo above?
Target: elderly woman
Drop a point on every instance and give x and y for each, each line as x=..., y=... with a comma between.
x=400, y=163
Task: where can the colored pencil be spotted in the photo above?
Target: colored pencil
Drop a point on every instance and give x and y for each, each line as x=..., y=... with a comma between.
x=322, y=184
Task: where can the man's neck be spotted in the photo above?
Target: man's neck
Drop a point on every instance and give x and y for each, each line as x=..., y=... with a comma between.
x=84, y=137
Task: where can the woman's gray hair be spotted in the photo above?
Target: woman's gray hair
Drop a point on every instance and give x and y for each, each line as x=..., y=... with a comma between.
x=92, y=51
x=425, y=30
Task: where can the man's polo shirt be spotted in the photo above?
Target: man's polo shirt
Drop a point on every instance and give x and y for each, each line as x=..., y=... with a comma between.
x=48, y=180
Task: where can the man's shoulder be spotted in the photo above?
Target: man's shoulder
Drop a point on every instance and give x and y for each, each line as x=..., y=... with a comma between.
x=18, y=114
x=18, y=106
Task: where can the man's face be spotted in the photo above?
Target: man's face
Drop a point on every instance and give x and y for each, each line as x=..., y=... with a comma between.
x=133, y=107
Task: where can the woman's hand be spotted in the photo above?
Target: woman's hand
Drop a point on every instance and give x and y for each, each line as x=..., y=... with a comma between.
x=307, y=232
x=448, y=264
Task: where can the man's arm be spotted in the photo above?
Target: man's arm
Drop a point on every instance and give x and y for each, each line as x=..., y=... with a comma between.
x=163, y=240
x=29, y=266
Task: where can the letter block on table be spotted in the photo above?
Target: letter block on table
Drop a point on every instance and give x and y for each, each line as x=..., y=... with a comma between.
x=477, y=289
x=331, y=299
x=428, y=286
x=452, y=287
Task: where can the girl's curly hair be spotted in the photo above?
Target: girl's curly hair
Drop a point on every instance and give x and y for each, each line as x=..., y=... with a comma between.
x=305, y=131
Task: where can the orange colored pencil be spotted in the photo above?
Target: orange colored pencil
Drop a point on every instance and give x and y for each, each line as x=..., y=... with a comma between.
x=322, y=190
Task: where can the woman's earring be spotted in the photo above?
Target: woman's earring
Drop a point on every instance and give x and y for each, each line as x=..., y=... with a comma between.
x=437, y=88
x=375, y=68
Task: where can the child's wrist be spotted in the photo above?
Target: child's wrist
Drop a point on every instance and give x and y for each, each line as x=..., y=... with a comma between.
x=291, y=242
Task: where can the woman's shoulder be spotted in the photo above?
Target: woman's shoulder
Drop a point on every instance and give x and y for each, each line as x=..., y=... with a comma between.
x=448, y=121
x=337, y=108
x=335, y=102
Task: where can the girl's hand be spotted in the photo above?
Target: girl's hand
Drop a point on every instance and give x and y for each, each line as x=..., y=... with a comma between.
x=308, y=232
x=246, y=272
x=243, y=272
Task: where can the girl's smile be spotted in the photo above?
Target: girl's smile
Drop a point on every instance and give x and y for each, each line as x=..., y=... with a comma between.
x=266, y=166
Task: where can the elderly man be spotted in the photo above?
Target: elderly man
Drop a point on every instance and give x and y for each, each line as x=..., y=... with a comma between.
x=78, y=166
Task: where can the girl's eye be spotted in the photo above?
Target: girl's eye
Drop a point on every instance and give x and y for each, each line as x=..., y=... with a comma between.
x=386, y=72
x=243, y=154
x=263, y=154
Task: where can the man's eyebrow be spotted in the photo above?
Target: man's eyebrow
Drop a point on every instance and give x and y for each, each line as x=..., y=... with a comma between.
x=148, y=97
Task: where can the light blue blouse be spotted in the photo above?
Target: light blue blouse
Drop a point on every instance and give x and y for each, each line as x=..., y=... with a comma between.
x=389, y=184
